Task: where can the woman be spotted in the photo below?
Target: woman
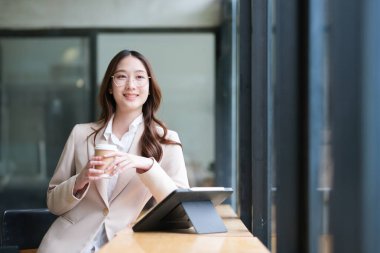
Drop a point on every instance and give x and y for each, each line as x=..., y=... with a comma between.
x=149, y=162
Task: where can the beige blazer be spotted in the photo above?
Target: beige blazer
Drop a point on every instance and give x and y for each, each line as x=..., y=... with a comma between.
x=80, y=219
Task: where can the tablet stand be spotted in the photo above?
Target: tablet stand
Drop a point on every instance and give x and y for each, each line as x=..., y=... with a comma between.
x=203, y=217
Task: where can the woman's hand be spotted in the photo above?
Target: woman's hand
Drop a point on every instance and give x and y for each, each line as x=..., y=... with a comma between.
x=124, y=161
x=89, y=173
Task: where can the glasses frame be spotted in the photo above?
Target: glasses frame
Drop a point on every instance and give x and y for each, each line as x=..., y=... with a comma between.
x=133, y=80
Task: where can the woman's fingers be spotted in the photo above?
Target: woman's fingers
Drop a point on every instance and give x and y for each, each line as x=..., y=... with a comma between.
x=114, y=154
x=92, y=178
x=95, y=171
x=123, y=165
x=96, y=158
x=91, y=164
x=94, y=174
x=121, y=162
x=110, y=170
x=117, y=167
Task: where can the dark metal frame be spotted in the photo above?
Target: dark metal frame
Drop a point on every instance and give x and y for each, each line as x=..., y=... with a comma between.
x=290, y=125
x=260, y=172
x=245, y=202
x=253, y=173
x=223, y=101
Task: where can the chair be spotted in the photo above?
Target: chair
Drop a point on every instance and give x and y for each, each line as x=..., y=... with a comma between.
x=25, y=228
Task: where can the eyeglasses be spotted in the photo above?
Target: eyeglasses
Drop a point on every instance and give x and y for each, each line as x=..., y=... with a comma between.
x=122, y=79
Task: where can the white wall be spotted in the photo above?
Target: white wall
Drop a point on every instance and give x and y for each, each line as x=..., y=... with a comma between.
x=24, y=14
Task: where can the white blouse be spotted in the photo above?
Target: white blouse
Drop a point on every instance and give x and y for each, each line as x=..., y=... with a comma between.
x=124, y=144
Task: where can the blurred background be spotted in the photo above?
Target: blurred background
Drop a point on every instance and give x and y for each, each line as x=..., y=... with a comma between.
x=276, y=99
x=53, y=56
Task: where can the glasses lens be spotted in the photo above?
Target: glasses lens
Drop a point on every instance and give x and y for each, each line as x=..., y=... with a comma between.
x=141, y=78
x=120, y=79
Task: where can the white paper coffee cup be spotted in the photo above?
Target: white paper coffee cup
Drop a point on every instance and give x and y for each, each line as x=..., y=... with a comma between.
x=101, y=150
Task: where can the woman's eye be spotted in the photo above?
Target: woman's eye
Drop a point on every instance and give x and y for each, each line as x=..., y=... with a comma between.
x=121, y=77
x=140, y=77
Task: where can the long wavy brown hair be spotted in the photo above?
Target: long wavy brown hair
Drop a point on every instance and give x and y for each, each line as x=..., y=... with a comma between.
x=150, y=139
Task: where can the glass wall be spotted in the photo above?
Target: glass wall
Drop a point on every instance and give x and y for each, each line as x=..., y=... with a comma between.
x=44, y=85
x=46, y=89
x=323, y=124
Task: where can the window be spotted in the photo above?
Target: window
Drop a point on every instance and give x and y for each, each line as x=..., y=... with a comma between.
x=322, y=124
x=44, y=92
x=50, y=83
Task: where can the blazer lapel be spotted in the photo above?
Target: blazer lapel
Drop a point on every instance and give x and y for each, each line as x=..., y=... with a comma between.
x=127, y=175
x=101, y=184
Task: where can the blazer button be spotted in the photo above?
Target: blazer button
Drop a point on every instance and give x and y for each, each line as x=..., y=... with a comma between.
x=105, y=211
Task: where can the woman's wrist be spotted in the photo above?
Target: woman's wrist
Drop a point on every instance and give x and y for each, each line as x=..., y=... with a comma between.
x=148, y=163
x=79, y=185
x=78, y=193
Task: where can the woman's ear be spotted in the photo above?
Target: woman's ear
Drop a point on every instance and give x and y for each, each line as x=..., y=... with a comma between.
x=110, y=91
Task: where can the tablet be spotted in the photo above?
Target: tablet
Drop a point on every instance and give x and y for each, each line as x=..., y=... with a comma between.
x=186, y=208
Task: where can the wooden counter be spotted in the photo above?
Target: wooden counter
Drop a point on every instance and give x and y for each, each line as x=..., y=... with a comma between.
x=237, y=239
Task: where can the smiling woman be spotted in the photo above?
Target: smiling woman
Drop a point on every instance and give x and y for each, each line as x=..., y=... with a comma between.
x=134, y=90
x=148, y=162
x=52, y=66
x=185, y=68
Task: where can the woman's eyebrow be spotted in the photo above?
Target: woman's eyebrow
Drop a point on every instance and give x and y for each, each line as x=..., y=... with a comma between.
x=143, y=71
x=120, y=70
x=136, y=71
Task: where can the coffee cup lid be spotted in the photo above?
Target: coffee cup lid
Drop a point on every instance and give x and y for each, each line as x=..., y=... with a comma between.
x=106, y=147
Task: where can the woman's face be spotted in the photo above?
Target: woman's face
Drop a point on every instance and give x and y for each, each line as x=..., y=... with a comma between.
x=130, y=85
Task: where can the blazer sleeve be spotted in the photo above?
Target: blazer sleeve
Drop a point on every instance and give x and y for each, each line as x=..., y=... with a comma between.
x=60, y=197
x=169, y=174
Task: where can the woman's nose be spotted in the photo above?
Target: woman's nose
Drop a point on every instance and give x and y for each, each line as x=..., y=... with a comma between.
x=131, y=82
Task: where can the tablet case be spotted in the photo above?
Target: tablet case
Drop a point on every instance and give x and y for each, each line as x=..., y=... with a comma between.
x=185, y=208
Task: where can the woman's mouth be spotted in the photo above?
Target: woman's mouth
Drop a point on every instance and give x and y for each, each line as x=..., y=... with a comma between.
x=130, y=96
